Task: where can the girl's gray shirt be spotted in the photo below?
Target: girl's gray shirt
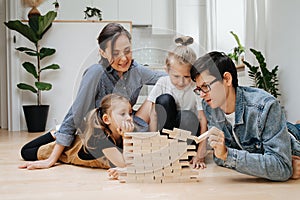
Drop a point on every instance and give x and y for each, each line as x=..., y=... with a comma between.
x=98, y=81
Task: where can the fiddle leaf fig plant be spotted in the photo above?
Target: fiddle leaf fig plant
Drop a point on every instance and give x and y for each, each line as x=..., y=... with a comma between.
x=261, y=76
x=34, y=31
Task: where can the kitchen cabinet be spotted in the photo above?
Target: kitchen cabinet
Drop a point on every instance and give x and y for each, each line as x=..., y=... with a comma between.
x=163, y=16
x=191, y=21
x=137, y=11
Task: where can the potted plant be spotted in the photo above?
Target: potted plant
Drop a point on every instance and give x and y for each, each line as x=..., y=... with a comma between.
x=261, y=76
x=92, y=13
x=238, y=52
x=35, y=115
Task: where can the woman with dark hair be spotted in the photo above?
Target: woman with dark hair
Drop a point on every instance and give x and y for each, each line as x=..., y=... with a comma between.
x=116, y=72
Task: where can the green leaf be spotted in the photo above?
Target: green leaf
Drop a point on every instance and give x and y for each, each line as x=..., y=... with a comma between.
x=29, y=67
x=43, y=85
x=42, y=23
x=23, y=29
x=262, y=77
x=28, y=51
x=22, y=49
x=34, y=23
x=24, y=86
x=44, y=52
x=53, y=66
x=240, y=47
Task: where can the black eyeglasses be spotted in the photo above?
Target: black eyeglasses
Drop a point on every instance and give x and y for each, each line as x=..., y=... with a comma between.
x=204, y=88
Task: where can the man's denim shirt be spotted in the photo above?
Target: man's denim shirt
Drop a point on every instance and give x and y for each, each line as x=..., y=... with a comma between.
x=260, y=127
x=98, y=81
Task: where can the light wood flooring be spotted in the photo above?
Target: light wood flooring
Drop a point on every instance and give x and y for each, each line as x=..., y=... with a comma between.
x=73, y=182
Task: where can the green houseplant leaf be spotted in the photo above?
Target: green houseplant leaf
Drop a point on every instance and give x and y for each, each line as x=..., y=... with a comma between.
x=53, y=66
x=44, y=52
x=24, y=86
x=29, y=67
x=261, y=76
x=23, y=29
x=43, y=85
x=41, y=24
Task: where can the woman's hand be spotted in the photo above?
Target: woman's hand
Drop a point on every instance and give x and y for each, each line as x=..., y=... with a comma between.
x=113, y=173
x=39, y=164
x=217, y=141
x=47, y=163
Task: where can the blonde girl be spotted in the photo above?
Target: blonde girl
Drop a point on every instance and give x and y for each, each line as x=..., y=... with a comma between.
x=174, y=103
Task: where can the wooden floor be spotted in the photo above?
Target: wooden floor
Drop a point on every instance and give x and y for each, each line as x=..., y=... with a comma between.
x=73, y=182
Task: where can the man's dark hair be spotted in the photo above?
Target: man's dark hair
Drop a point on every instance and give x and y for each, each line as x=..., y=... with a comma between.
x=216, y=63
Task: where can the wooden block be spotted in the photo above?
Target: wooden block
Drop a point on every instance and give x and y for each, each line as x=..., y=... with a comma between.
x=184, y=163
x=191, y=147
x=187, y=154
x=202, y=137
x=141, y=134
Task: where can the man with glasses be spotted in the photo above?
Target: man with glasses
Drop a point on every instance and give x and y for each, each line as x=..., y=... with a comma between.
x=251, y=135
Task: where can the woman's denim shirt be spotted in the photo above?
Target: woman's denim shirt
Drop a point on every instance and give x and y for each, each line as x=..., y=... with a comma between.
x=260, y=127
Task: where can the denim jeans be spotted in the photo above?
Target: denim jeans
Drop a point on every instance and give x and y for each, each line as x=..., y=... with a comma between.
x=169, y=117
x=294, y=129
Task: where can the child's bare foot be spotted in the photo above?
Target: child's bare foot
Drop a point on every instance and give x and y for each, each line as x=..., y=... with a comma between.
x=296, y=167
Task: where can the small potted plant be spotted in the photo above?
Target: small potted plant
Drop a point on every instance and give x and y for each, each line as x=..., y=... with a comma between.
x=35, y=115
x=92, y=13
x=261, y=76
x=238, y=52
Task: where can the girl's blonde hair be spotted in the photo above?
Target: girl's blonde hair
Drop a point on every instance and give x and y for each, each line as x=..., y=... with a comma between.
x=182, y=53
x=94, y=119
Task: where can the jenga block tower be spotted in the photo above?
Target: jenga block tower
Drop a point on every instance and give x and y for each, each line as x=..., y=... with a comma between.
x=154, y=158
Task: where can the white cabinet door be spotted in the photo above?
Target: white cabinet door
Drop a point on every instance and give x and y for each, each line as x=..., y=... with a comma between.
x=137, y=11
x=163, y=16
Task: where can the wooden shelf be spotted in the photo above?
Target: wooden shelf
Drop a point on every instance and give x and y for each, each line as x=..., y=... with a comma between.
x=240, y=67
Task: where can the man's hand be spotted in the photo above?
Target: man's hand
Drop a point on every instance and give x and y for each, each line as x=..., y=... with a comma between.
x=217, y=141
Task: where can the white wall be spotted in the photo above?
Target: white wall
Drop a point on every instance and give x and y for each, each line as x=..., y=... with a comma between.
x=283, y=47
x=230, y=17
x=3, y=94
x=191, y=21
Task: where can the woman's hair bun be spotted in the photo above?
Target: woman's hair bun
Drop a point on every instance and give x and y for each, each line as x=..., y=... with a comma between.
x=184, y=40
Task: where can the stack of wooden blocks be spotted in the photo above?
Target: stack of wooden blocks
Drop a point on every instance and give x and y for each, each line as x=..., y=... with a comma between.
x=154, y=158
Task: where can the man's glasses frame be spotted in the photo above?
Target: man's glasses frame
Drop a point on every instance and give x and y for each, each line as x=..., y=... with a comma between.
x=205, y=88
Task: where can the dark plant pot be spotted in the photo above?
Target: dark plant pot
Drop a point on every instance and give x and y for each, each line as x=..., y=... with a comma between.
x=36, y=117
